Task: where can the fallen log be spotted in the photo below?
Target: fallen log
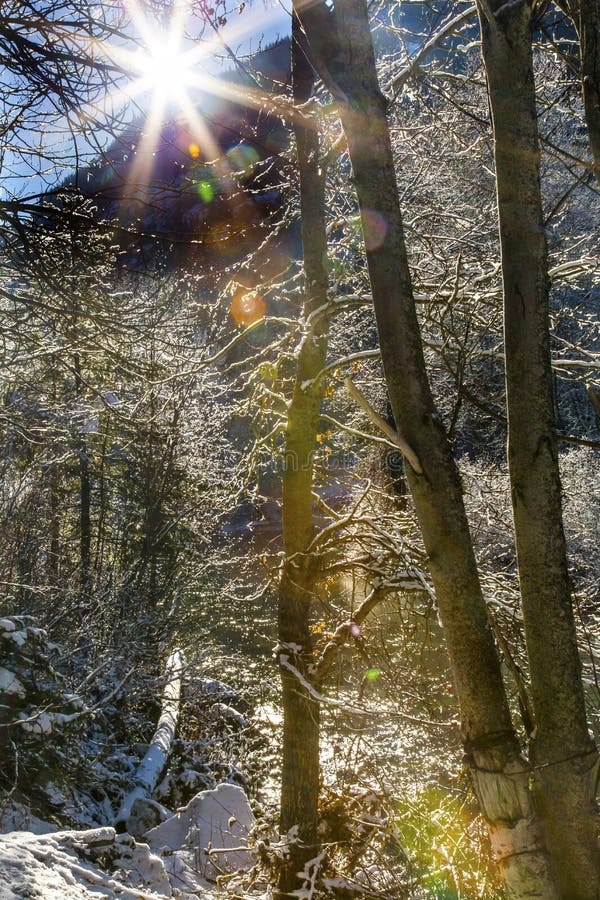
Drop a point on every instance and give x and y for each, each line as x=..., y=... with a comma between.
x=158, y=752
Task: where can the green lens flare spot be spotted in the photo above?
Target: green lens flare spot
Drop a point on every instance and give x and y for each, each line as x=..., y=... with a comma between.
x=372, y=674
x=206, y=191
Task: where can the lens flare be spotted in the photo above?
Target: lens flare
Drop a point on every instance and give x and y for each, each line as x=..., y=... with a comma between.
x=242, y=158
x=373, y=227
x=206, y=191
x=247, y=307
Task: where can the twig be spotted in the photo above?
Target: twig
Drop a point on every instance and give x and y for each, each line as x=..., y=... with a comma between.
x=398, y=441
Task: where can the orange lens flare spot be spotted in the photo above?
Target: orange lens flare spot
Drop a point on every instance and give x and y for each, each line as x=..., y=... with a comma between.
x=247, y=307
x=194, y=151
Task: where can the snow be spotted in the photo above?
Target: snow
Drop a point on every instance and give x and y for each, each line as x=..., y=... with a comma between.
x=225, y=691
x=284, y=662
x=229, y=715
x=58, y=867
x=206, y=838
x=269, y=715
x=18, y=817
x=141, y=867
x=145, y=814
x=17, y=637
x=74, y=865
x=157, y=754
x=10, y=684
x=42, y=723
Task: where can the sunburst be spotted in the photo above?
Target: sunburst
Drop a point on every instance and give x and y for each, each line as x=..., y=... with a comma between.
x=165, y=75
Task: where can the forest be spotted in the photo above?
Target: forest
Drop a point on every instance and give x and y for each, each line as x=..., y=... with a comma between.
x=299, y=445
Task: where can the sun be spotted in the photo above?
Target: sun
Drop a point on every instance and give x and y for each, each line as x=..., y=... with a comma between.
x=166, y=77
x=165, y=63
x=164, y=69
x=164, y=66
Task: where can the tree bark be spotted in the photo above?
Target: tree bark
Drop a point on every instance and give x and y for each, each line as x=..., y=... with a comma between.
x=300, y=767
x=53, y=566
x=85, y=496
x=585, y=15
x=85, y=528
x=562, y=752
x=588, y=27
x=500, y=776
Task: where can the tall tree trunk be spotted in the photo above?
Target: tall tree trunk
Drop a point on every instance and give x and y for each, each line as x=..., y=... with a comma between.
x=564, y=757
x=499, y=774
x=102, y=510
x=300, y=769
x=85, y=496
x=588, y=27
x=53, y=566
x=585, y=15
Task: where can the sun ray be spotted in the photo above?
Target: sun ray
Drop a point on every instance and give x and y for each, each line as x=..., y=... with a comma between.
x=139, y=176
x=140, y=22
x=158, y=46
x=163, y=66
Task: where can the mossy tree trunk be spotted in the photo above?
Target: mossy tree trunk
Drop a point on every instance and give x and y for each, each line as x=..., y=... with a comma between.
x=300, y=767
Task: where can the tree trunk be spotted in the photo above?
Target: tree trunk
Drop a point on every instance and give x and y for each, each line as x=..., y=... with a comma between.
x=85, y=496
x=564, y=756
x=500, y=777
x=102, y=511
x=588, y=27
x=53, y=567
x=85, y=529
x=585, y=15
x=300, y=770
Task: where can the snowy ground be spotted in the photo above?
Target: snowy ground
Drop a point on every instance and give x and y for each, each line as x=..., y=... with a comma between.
x=62, y=865
x=183, y=857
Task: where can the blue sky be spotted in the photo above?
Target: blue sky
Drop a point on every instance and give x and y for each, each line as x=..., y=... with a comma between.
x=279, y=25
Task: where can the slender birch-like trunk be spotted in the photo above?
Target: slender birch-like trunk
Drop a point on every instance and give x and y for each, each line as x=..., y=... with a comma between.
x=499, y=774
x=85, y=496
x=564, y=757
x=157, y=755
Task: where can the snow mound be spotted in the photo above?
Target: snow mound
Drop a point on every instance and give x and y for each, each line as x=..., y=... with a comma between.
x=207, y=838
x=64, y=866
